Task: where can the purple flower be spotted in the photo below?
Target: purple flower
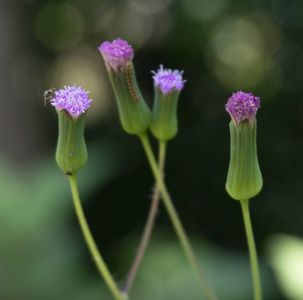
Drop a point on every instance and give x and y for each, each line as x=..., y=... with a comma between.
x=167, y=79
x=72, y=99
x=116, y=54
x=242, y=106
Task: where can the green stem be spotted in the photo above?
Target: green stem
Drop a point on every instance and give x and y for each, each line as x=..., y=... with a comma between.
x=174, y=215
x=252, y=250
x=91, y=244
x=149, y=224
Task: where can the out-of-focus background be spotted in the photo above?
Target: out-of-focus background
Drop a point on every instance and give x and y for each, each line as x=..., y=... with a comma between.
x=222, y=46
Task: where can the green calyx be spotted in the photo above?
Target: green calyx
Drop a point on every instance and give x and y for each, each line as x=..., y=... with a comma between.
x=134, y=113
x=164, y=124
x=71, y=153
x=244, y=179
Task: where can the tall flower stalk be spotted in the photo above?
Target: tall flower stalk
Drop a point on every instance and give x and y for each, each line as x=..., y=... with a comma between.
x=168, y=85
x=148, y=225
x=174, y=217
x=136, y=119
x=244, y=179
x=71, y=104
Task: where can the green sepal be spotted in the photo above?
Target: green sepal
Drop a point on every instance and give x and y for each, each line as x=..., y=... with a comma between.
x=135, y=115
x=244, y=179
x=164, y=124
x=71, y=153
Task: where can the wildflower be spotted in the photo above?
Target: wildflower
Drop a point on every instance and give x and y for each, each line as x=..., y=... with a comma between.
x=168, y=85
x=244, y=179
x=116, y=54
x=72, y=99
x=71, y=104
x=168, y=80
x=242, y=106
x=134, y=113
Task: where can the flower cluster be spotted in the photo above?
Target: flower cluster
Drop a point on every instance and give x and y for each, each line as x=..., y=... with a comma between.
x=72, y=99
x=244, y=179
x=167, y=79
x=116, y=54
x=242, y=106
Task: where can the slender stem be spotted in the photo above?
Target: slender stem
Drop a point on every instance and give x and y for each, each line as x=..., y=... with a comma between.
x=252, y=250
x=103, y=270
x=149, y=224
x=174, y=215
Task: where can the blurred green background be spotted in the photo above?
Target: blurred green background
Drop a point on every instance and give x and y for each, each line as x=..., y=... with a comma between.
x=222, y=46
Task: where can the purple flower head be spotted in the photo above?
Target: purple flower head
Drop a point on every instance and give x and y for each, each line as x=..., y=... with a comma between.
x=116, y=54
x=242, y=106
x=167, y=79
x=72, y=99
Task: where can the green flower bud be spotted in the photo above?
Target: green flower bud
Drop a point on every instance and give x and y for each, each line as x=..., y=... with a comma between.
x=71, y=104
x=71, y=153
x=168, y=85
x=244, y=179
x=134, y=113
x=164, y=125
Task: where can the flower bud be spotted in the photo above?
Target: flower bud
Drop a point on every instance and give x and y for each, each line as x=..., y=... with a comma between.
x=244, y=179
x=71, y=104
x=168, y=85
x=134, y=113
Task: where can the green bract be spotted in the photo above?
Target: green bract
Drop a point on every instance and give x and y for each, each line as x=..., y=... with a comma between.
x=164, y=124
x=134, y=113
x=71, y=153
x=244, y=179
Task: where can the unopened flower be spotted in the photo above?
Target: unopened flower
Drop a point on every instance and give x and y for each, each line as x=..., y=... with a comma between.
x=116, y=54
x=168, y=79
x=134, y=113
x=242, y=106
x=244, y=178
x=168, y=85
x=72, y=99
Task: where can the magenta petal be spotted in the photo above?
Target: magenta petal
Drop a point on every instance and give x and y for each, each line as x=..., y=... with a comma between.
x=242, y=106
x=168, y=79
x=116, y=54
x=72, y=99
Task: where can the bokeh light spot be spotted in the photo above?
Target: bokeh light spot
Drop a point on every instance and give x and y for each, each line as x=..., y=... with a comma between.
x=204, y=9
x=59, y=26
x=133, y=26
x=286, y=257
x=150, y=7
x=236, y=54
x=81, y=68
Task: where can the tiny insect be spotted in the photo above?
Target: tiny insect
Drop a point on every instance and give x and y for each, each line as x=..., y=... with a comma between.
x=130, y=82
x=49, y=95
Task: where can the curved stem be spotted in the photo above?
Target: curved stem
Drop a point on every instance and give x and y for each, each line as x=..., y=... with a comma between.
x=252, y=250
x=102, y=268
x=174, y=215
x=149, y=224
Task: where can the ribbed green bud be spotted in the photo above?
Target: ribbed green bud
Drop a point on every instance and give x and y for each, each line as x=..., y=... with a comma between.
x=164, y=124
x=134, y=113
x=244, y=179
x=71, y=153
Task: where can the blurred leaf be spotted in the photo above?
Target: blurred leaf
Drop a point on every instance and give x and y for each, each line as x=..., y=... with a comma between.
x=166, y=275
x=40, y=255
